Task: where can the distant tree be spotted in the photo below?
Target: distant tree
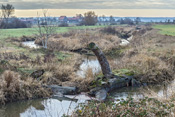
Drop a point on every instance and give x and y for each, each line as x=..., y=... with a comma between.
x=90, y=18
x=173, y=21
x=104, y=18
x=79, y=15
x=168, y=21
x=121, y=21
x=126, y=21
x=16, y=23
x=111, y=19
x=7, y=11
x=46, y=27
x=137, y=20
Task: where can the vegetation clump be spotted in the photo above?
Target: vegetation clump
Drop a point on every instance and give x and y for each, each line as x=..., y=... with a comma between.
x=13, y=88
x=146, y=107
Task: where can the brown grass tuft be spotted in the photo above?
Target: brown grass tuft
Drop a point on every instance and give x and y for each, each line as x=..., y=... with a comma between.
x=13, y=88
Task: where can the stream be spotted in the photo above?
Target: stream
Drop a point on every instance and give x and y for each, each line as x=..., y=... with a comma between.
x=57, y=107
x=30, y=44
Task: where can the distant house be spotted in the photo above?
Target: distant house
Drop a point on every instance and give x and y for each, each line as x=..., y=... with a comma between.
x=63, y=19
x=27, y=20
x=75, y=20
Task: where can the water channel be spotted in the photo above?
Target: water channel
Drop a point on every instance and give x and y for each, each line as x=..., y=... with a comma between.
x=56, y=107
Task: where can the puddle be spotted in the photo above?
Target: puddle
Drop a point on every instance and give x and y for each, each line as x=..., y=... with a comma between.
x=30, y=44
x=89, y=63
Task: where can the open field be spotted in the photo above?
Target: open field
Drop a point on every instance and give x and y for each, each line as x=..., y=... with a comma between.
x=166, y=29
x=17, y=33
x=32, y=31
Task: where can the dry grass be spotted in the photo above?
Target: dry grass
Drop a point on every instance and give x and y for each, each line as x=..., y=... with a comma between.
x=80, y=39
x=151, y=57
x=12, y=88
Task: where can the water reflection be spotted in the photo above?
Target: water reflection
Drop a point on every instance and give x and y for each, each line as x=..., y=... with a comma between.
x=89, y=63
x=31, y=44
x=155, y=91
x=53, y=107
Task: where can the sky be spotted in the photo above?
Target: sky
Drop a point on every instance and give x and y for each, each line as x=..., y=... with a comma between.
x=141, y=8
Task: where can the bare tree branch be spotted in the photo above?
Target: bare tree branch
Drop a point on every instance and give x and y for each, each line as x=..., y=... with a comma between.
x=46, y=27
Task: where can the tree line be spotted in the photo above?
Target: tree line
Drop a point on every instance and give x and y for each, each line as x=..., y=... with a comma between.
x=8, y=20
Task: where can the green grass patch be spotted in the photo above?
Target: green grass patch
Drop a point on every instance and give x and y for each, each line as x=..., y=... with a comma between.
x=166, y=29
x=122, y=72
x=61, y=55
x=32, y=31
x=26, y=71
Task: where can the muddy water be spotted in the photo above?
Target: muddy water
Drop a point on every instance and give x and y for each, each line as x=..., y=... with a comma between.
x=30, y=44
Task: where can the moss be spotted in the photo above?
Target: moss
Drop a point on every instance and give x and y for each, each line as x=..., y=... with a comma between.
x=97, y=82
x=62, y=56
x=1, y=71
x=122, y=72
x=25, y=70
x=116, y=52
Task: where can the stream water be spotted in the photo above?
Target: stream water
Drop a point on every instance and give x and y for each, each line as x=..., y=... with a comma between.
x=56, y=107
x=30, y=44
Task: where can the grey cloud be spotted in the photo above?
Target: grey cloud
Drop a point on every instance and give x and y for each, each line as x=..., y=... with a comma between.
x=91, y=4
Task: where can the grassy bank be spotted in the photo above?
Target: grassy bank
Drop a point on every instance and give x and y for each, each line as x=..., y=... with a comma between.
x=166, y=29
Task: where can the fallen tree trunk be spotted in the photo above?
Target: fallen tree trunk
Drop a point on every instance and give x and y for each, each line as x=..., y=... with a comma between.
x=101, y=92
x=102, y=60
x=112, y=81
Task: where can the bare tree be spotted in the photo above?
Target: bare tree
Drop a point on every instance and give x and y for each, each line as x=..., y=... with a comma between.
x=46, y=27
x=90, y=18
x=7, y=11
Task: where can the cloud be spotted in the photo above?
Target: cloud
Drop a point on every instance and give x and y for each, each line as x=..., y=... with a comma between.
x=91, y=4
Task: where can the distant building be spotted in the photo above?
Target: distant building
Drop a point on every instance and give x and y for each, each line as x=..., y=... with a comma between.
x=63, y=19
x=74, y=20
x=29, y=20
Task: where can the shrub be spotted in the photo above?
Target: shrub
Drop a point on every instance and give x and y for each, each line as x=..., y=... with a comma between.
x=109, y=30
